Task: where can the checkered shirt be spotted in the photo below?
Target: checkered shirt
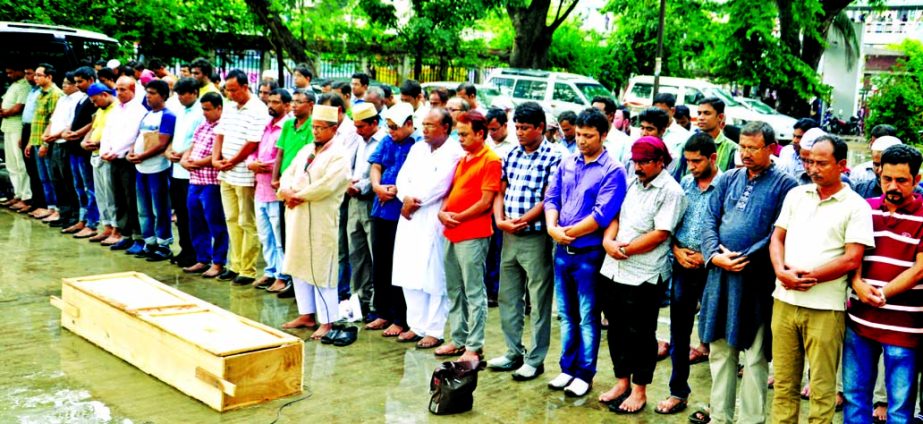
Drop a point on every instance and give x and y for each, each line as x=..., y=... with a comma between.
x=203, y=142
x=527, y=175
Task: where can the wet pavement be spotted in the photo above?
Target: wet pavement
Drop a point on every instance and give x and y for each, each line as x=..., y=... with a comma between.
x=50, y=375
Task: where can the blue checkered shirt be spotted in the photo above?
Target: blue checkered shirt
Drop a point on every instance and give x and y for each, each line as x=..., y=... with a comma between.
x=527, y=175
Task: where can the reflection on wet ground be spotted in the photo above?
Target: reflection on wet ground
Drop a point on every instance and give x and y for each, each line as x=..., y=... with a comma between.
x=50, y=375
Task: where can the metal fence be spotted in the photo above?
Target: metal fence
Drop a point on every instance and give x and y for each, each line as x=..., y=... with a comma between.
x=385, y=69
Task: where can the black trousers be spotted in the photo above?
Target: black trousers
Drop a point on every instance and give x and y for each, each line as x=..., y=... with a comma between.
x=124, y=180
x=388, y=299
x=35, y=183
x=179, y=191
x=632, y=312
x=63, y=180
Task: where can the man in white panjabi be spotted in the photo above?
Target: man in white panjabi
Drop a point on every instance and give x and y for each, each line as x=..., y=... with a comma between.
x=312, y=188
x=419, y=244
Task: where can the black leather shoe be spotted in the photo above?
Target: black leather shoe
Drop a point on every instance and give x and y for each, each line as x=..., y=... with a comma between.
x=346, y=336
x=160, y=253
x=227, y=275
x=288, y=292
x=240, y=280
x=332, y=335
x=57, y=224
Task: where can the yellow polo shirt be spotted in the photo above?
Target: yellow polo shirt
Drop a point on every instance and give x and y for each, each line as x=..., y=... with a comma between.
x=817, y=232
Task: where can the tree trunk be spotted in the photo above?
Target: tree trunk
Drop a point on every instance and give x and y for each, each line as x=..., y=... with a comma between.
x=805, y=47
x=279, y=33
x=533, y=36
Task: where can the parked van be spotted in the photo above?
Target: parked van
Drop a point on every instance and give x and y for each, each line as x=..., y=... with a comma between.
x=62, y=47
x=556, y=91
x=639, y=95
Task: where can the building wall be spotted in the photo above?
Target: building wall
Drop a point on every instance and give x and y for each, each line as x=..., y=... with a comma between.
x=836, y=72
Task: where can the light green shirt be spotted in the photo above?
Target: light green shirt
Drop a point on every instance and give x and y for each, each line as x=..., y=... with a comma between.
x=16, y=94
x=817, y=232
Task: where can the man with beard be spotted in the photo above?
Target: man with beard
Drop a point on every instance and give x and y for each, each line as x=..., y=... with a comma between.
x=888, y=317
x=636, y=268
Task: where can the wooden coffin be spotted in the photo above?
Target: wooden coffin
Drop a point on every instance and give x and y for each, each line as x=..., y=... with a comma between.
x=224, y=360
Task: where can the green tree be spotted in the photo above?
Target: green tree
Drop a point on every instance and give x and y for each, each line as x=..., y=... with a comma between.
x=163, y=28
x=433, y=29
x=534, y=29
x=899, y=99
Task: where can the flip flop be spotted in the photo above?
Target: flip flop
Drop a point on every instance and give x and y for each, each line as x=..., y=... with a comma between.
x=414, y=339
x=618, y=399
x=675, y=409
x=700, y=417
x=438, y=343
x=696, y=356
x=458, y=351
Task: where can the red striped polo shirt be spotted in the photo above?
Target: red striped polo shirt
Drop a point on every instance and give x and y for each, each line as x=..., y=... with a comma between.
x=897, y=242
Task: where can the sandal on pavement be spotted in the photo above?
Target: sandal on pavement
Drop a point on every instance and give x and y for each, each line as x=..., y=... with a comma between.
x=675, y=409
x=435, y=343
x=700, y=417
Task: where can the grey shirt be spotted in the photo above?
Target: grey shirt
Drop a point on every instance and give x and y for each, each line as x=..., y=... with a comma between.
x=658, y=206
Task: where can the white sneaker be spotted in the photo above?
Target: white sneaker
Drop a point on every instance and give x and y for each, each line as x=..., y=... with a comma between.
x=560, y=382
x=577, y=388
x=527, y=372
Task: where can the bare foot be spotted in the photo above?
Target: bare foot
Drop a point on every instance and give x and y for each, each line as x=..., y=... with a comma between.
x=378, y=324
x=196, y=268
x=621, y=387
x=303, y=321
x=670, y=405
x=663, y=349
x=449, y=350
x=407, y=336
x=276, y=286
x=880, y=414
x=470, y=355
x=636, y=400
x=393, y=331
x=322, y=331
x=213, y=271
x=806, y=391
x=429, y=342
x=771, y=381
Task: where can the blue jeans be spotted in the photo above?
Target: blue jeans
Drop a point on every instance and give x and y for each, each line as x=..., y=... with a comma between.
x=82, y=171
x=685, y=293
x=153, y=194
x=43, y=164
x=207, y=228
x=860, y=368
x=269, y=230
x=575, y=283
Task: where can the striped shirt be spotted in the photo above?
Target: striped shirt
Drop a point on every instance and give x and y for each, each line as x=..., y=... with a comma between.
x=527, y=175
x=203, y=141
x=241, y=125
x=897, y=243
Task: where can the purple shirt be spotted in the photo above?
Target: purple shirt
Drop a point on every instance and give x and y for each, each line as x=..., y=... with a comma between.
x=579, y=189
x=266, y=153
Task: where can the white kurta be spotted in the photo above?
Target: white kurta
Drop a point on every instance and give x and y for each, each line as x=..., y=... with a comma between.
x=311, y=243
x=419, y=244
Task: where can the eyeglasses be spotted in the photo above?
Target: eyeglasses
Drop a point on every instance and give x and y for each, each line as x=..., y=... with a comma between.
x=39, y=75
x=748, y=149
x=319, y=128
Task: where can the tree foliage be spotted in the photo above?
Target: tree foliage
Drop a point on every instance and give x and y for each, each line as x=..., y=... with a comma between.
x=899, y=99
x=163, y=28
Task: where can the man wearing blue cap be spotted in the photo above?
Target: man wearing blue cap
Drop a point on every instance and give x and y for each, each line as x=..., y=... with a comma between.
x=103, y=98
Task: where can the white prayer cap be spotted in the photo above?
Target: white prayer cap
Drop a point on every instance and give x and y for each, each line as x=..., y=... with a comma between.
x=364, y=111
x=326, y=113
x=399, y=113
x=809, y=137
x=882, y=143
x=114, y=63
